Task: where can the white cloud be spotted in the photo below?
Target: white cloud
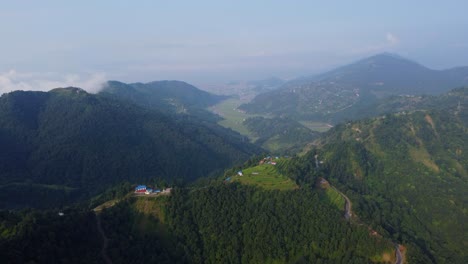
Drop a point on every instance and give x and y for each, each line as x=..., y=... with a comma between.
x=392, y=39
x=33, y=81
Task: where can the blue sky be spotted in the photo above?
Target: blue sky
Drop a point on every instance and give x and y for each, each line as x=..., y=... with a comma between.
x=45, y=43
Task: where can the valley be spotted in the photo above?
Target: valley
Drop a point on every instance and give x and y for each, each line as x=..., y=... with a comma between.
x=237, y=132
x=383, y=189
x=273, y=134
x=233, y=118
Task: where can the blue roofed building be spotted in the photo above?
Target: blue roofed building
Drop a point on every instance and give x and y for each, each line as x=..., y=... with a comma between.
x=140, y=189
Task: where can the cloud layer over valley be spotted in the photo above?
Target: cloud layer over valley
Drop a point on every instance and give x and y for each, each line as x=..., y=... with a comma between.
x=34, y=81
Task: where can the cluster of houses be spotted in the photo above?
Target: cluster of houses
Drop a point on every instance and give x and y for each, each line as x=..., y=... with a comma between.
x=143, y=189
x=268, y=160
x=239, y=173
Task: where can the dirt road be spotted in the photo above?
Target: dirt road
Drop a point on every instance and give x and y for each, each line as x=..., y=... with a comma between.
x=105, y=240
x=399, y=256
x=348, y=205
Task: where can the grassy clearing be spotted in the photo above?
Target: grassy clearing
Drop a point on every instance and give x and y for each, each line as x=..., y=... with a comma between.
x=233, y=118
x=335, y=198
x=267, y=177
x=388, y=256
x=151, y=206
x=421, y=155
x=150, y=216
x=316, y=126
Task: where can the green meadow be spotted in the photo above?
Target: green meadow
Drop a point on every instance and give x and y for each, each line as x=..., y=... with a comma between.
x=316, y=126
x=335, y=198
x=265, y=176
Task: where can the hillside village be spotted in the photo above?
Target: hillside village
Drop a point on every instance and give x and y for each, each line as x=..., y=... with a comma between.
x=146, y=190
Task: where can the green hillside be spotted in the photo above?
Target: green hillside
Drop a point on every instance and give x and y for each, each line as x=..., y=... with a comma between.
x=265, y=176
x=279, y=134
x=406, y=175
x=83, y=143
x=170, y=97
x=404, y=172
x=223, y=223
x=404, y=103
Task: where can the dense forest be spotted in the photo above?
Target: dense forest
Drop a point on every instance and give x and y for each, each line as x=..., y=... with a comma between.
x=66, y=144
x=231, y=223
x=239, y=224
x=53, y=236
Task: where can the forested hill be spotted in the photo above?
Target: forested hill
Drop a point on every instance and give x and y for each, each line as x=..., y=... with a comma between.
x=220, y=223
x=166, y=96
x=60, y=145
x=356, y=85
x=406, y=172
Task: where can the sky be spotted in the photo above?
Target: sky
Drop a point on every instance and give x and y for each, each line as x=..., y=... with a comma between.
x=47, y=44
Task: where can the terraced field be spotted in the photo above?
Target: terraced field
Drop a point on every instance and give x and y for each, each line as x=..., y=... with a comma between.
x=265, y=176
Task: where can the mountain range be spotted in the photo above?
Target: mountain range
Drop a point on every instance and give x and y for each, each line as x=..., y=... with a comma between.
x=403, y=170
x=331, y=95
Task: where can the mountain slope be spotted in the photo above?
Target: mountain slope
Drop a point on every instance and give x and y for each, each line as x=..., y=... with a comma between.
x=166, y=96
x=72, y=142
x=394, y=104
x=279, y=134
x=355, y=85
x=406, y=172
x=220, y=223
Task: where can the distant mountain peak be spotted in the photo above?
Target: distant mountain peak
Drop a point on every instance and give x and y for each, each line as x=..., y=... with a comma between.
x=110, y=82
x=387, y=57
x=390, y=54
x=168, y=81
x=336, y=92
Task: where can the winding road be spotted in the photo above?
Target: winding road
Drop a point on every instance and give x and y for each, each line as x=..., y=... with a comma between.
x=348, y=205
x=399, y=256
x=348, y=214
x=105, y=240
